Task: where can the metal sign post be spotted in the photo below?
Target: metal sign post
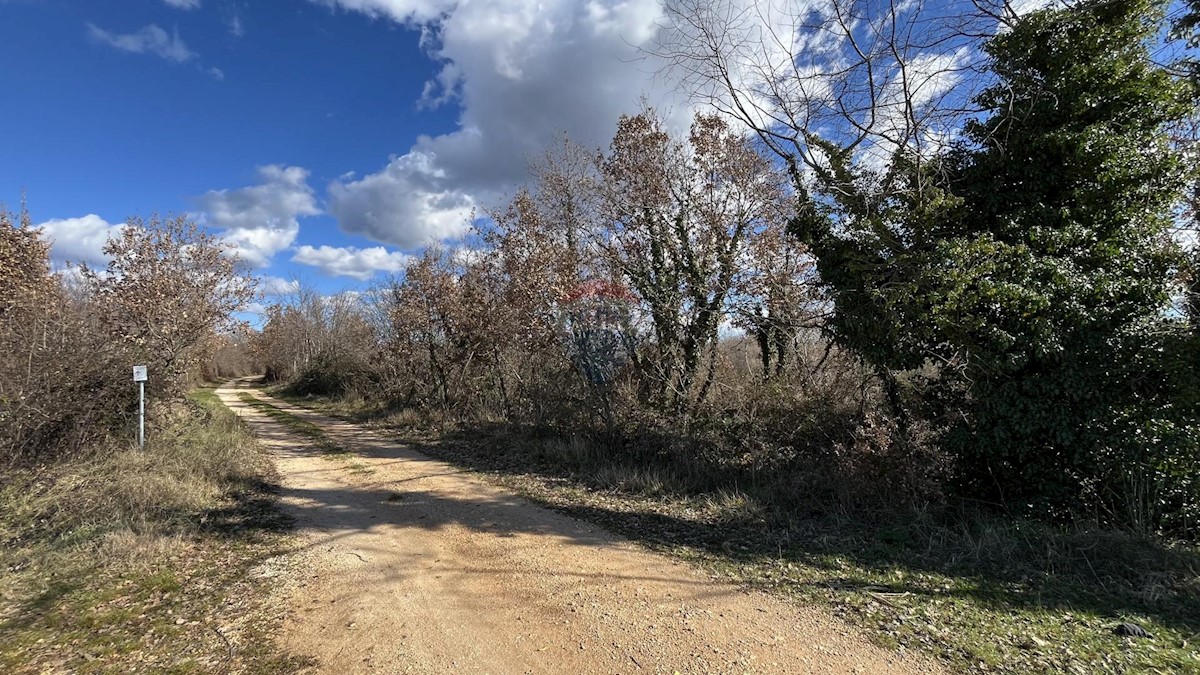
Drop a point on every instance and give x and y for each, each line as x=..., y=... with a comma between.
x=139, y=376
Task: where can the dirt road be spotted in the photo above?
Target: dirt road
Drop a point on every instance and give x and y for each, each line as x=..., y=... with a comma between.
x=408, y=564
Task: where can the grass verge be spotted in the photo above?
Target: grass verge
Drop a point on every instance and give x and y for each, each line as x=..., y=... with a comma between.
x=978, y=592
x=145, y=561
x=294, y=423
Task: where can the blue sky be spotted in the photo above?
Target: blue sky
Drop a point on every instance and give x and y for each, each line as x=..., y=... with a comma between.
x=333, y=139
x=330, y=139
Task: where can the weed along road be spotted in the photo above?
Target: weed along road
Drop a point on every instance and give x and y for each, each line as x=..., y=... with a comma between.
x=406, y=564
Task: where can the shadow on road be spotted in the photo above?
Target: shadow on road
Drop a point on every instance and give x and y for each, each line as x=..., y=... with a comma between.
x=1143, y=580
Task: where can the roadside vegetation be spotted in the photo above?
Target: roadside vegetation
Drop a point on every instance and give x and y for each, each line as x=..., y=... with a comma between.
x=145, y=561
x=115, y=558
x=931, y=359
x=948, y=387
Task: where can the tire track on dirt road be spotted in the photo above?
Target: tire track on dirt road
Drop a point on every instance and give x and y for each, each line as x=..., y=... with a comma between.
x=407, y=564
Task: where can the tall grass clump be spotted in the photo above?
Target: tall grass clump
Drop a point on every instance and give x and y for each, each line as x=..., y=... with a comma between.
x=163, y=491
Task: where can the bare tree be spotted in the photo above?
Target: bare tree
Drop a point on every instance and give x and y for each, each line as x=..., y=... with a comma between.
x=867, y=79
x=321, y=343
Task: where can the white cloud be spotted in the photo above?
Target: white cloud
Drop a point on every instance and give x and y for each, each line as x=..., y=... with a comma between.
x=256, y=246
x=277, y=286
x=79, y=239
x=404, y=11
x=256, y=308
x=148, y=40
x=262, y=219
x=775, y=53
x=183, y=4
x=283, y=194
x=523, y=72
x=409, y=203
x=359, y=263
x=1019, y=8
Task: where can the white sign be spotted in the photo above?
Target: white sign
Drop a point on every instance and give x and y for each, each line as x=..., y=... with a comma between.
x=139, y=373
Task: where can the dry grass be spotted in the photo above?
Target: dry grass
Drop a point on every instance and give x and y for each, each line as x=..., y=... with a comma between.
x=575, y=452
x=135, y=560
x=157, y=491
x=303, y=427
x=635, y=479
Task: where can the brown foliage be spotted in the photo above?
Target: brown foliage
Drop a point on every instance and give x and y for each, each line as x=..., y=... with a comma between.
x=231, y=356
x=45, y=366
x=168, y=287
x=324, y=345
x=690, y=227
x=66, y=350
x=595, y=305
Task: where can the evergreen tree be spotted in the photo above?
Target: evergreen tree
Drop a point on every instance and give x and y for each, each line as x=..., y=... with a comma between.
x=1034, y=266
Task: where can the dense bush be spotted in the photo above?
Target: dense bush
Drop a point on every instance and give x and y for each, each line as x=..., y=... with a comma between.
x=67, y=348
x=55, y=385
x=592, y=310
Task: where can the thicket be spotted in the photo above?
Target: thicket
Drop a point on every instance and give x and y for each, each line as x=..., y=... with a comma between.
x=997, y=320
x=645, y=305
x=69, y=339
